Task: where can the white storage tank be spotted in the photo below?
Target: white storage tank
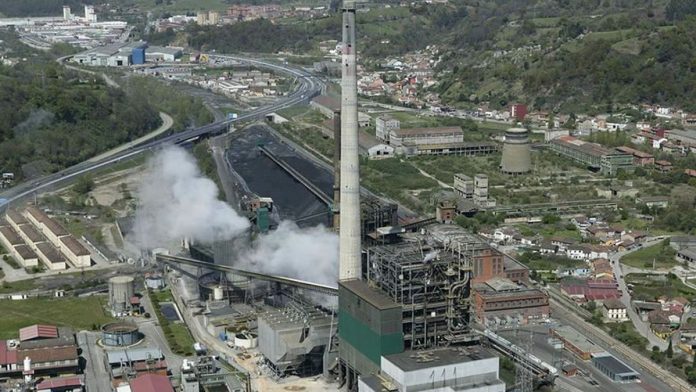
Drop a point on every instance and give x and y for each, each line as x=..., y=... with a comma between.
x=246, y=340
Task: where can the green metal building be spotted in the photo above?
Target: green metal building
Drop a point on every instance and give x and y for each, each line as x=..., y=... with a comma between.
x=369, y=326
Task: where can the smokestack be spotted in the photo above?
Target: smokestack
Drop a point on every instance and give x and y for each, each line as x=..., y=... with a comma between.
x=349, y=264
x=337, y=169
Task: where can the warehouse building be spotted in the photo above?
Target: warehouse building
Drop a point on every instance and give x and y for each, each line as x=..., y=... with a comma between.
x=499, y=301
x=592, y=155
x=157, y=54
x=470, y=369
x=51, y=257
x=426, y=136
x=616, y=370
x=15, y=219
x=575, y=342
x=113, y=55
x=467, y=149
x=640, y=158
x=75, y=252
x=26, y=256
x=30, y=235
x=19, y=251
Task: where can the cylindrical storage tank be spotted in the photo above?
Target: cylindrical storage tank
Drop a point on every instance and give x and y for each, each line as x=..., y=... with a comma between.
x=121, y=289
x=218, y=293
x=120, y=334
x=517, y=157
x=246, y=340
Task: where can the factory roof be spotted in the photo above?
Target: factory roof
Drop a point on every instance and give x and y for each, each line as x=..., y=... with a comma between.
x=416, y=360
x=163, y=50
x=16, y=217
x=38, y=331
x=367, y=293
x=405, y=132
x=33, y=234
x=687, y=252
x=25, y=252
x=75, y=246
x=510, y=264
x=579, y=145
x=614, y=365
x=55, y=228
x=575, y=338
x=633, y=151
x=49, y=354
x=60, y=383
x=502, y=284
x=7, y=356
x=457, y=145
x=11, y=235
x=133, y=355
x=151, y=383
x=51, y=252
x=65, y=339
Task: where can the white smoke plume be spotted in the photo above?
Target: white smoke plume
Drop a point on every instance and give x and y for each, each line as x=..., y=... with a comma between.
x=309, y=254
x=175, y=201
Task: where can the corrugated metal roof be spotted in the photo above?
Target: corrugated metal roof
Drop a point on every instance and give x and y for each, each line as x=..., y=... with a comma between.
x=134, y=355
x=7, y=356
x=151, y=383
x=38, y=331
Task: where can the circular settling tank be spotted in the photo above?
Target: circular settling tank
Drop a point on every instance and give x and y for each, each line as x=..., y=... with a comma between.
x=120, y=334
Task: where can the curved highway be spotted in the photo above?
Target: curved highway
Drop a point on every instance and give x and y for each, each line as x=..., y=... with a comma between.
x=309, y=87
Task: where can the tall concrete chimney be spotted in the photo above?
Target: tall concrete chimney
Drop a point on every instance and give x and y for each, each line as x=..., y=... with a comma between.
x=349, y=232
x=337, y=169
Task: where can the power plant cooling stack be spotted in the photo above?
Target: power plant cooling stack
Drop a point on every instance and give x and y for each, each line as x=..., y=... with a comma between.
x=121, y=289
x=516, y=154
x=349, y=233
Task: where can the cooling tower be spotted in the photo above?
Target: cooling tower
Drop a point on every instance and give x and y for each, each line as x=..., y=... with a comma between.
x=349, y=232
x=516, y=154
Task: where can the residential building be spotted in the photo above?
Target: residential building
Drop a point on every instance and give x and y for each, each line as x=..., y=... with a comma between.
x=384, y=124
x=663, y=166
x=518, y=111
x=614, y=310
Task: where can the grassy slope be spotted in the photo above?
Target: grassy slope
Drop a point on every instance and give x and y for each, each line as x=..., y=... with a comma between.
x=78, y=313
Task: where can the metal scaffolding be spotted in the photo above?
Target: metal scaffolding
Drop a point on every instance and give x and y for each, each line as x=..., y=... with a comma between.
x=429, y=275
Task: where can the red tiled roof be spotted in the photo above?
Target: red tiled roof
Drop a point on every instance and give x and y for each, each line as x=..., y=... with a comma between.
x=61, y=382
x=151, y=383
x=38, y=331
x=7, y=356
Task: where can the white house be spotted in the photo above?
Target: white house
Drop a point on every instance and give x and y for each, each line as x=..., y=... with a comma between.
x=614, y=310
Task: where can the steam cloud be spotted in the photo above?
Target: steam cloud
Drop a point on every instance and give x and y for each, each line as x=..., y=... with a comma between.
x=176, y=201
x=309, y=254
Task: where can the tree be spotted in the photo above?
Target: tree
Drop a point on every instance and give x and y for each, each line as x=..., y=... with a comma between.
x=84, y=185
x=669, y=352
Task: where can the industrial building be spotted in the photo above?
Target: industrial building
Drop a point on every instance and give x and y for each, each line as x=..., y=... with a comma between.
x=400, y=137
x=592, y=155
x=123, y=55
x=384, y=124
x=470, y=369
x=575, y=342
x=499, y=301
x=517, y=157
x=49, y=350
x=130, y=362
x=326, y=105
x=120, y=334
x=293, y=339
x=616, y=370
x=474, y=189
x=467, y=149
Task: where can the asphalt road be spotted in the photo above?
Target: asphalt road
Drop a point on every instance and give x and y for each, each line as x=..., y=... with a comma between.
x=308, y=87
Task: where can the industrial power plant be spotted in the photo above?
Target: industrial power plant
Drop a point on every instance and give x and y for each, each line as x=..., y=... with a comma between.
x=404, y=306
